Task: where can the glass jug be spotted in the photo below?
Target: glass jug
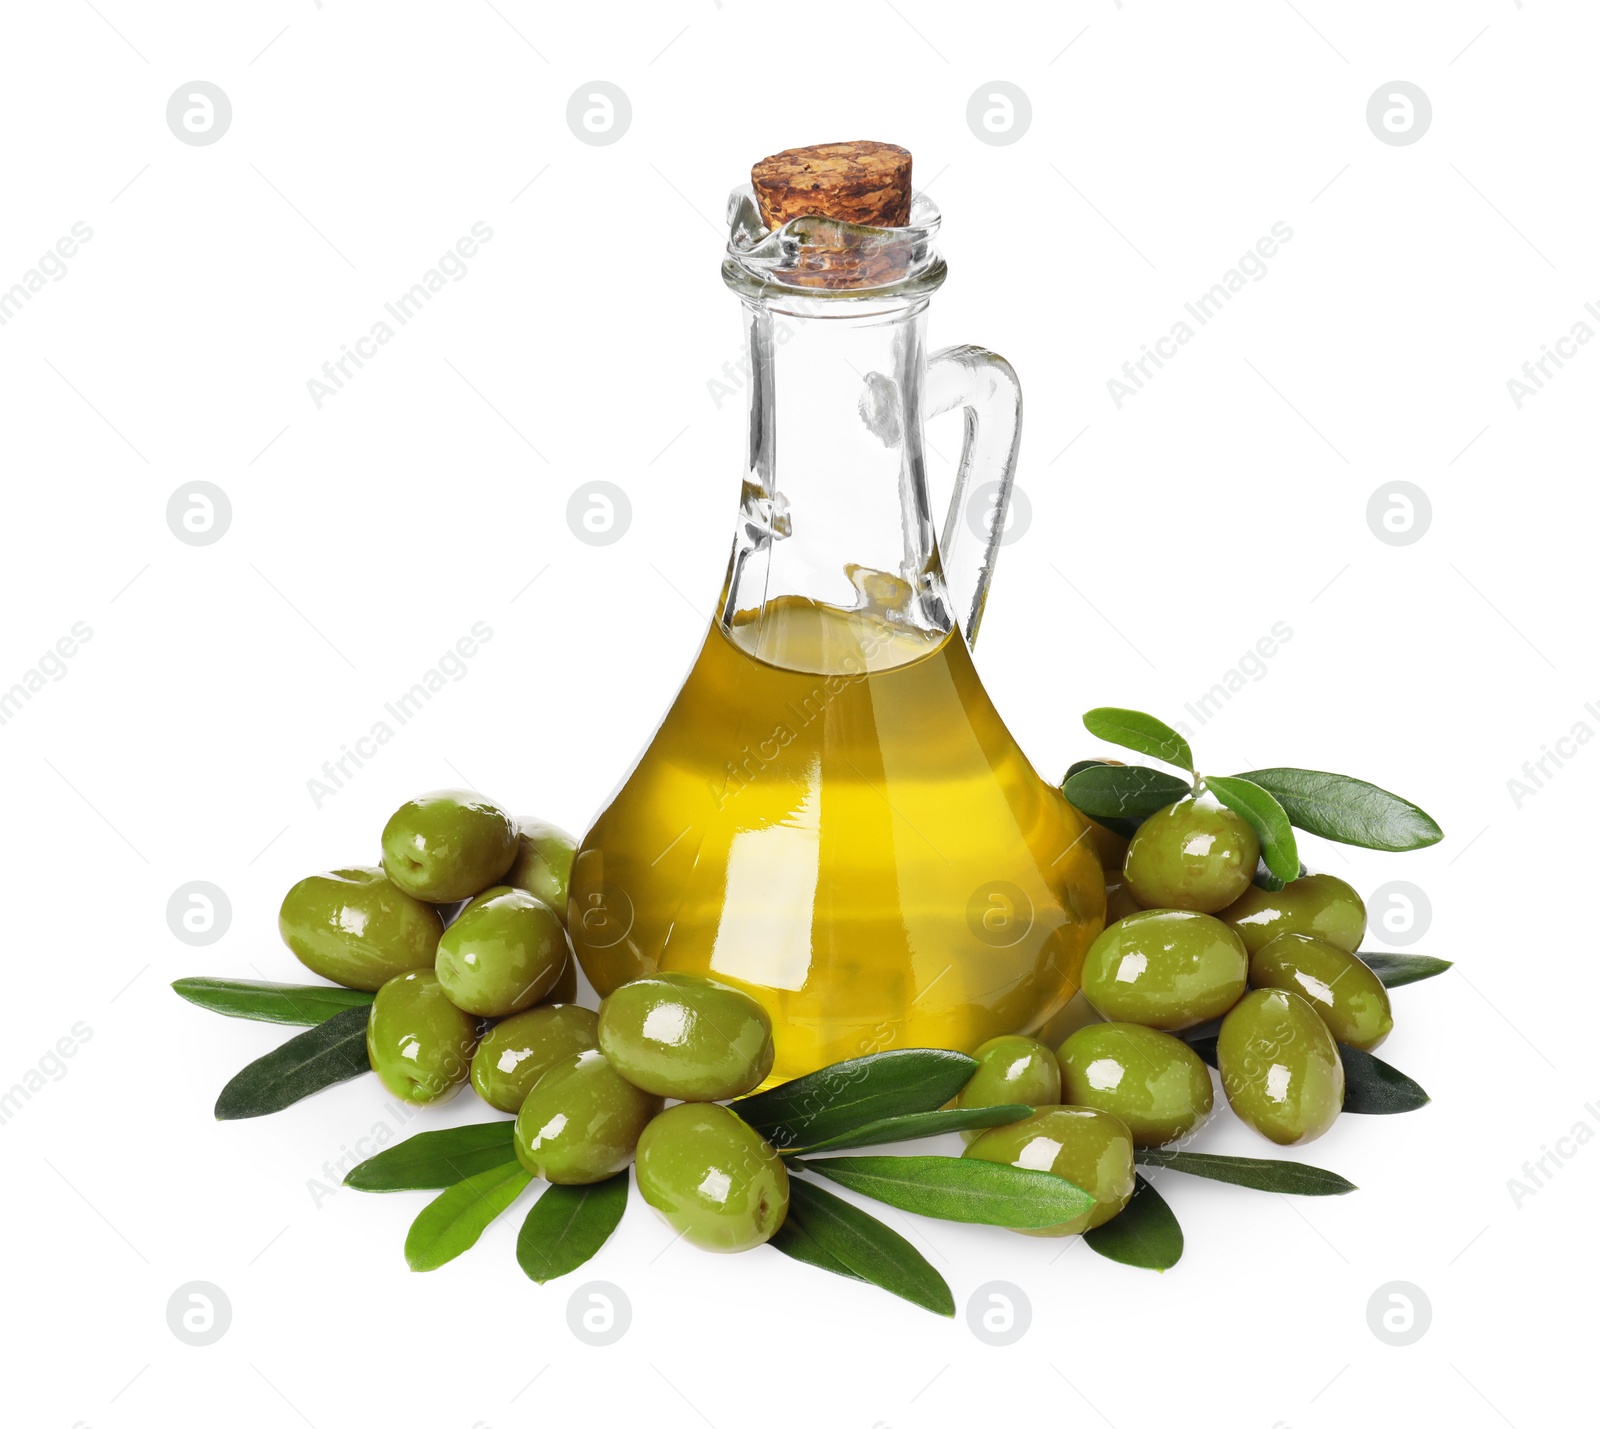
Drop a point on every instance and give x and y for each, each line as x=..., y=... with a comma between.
x=832, y=815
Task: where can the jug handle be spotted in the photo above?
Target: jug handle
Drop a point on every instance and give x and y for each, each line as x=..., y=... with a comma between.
x=985, y=387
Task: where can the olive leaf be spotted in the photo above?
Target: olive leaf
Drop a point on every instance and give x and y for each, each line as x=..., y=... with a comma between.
x=1079, y=765
x=1266, y=878
x=298, y=1005
x=853, y=1094
x=828, y=1232
x=1126, y=828
x=1143, y=1233
x=1266, y=816
x=433, y=1160
x=451, y=1223
x=796, y=1242
x=1398, y=969
x=1374, y=1088
x=1346, y=810
x=332, y=1052
x=1140, y=732
x=918, y=1124
x=954, y=1188
x=1122, y=791
x=1289, y=1178
x=568, y=1224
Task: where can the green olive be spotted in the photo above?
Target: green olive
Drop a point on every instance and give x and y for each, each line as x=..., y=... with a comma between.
x=1318, y=905
x=686, y=1036
x=1280, y=1068
x=503, y=954
x=712, y=1178
x=1152, y=1082
x=1344, y=991
x=1165, y=968
x=1195, y=854
x=514, y=1054
x=581, y=1121
x=1012, y=1070
x=1089, y=1148
x=354, y=927
x=448, y=845
x=543, y=864
x=418, y=1041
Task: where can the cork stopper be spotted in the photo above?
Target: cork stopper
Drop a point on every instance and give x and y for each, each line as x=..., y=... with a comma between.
x=861, y=181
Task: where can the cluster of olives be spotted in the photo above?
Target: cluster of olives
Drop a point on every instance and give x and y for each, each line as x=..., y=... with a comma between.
x=711, y=1177
x=1189, y=938
x=461, y=934
x=1278, y=967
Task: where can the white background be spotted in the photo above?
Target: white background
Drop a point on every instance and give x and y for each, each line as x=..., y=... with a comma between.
x=368, y=536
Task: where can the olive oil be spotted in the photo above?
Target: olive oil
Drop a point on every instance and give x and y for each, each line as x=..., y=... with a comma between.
x=833, y=817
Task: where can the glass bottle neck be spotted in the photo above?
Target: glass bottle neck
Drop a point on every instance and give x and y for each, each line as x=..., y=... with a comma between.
x=835, y=545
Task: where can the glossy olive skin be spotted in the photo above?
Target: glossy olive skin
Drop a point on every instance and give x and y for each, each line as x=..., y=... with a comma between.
x=514, y=1054
x=1195, y=854
x=543, y=862
x=448, y=845
x=503, y=954
x=356, y=928
x=1165, y=968
x=1319, y=905
x=419, y=1042
x=581, y=1121
x=1089, y=1148
x=1012, y=1070
x=686, y=1036
x=712, y=1178
x=1280, y=1068
x=1344, y=991
x=1152, y=1082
